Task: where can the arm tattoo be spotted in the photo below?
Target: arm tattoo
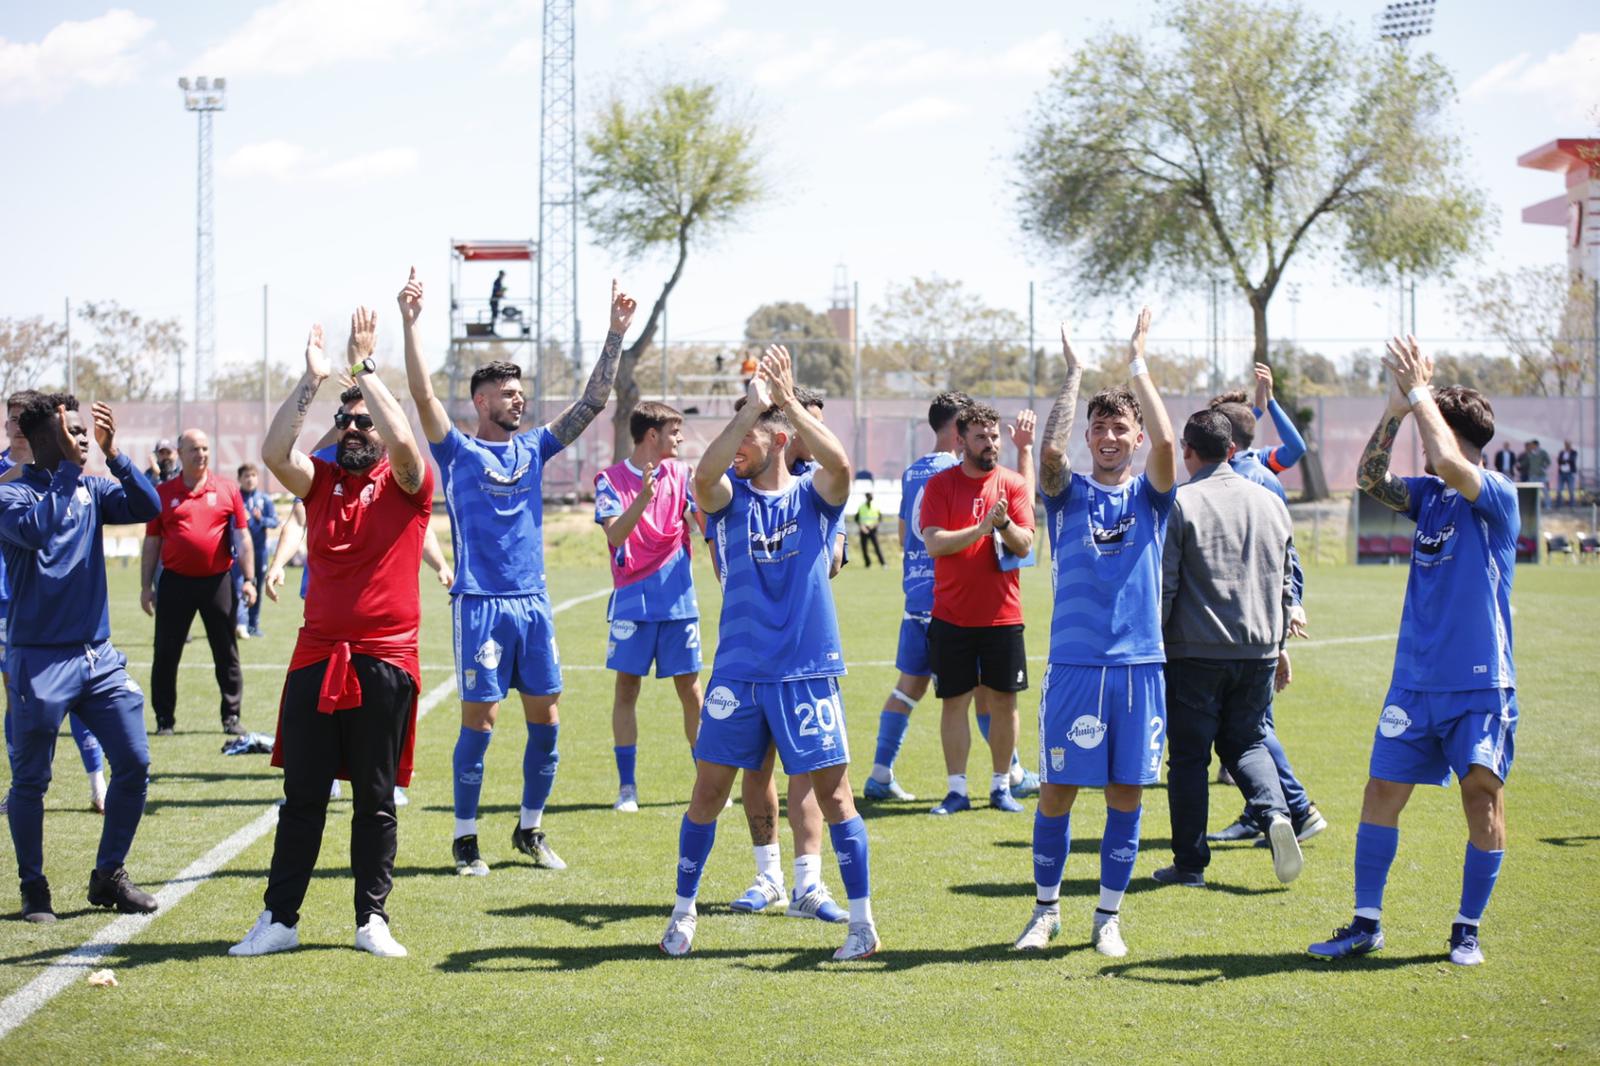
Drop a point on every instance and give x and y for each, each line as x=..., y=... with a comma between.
x=571, y=423
x=302, y=400
x=1373, y=476
x=1057, y=428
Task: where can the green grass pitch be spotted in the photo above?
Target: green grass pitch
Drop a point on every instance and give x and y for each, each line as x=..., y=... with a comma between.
x=530, y=965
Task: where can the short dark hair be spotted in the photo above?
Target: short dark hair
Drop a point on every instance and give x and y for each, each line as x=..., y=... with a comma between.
x=1468, y=414
x=1242, y=419
x=247, y=468
x=493, y=374
x=945, y=407
x=38, y=409
x=1117, y=400
x=976, y=414
x=773, y=417
x=1231, y=396
x=1208, y=434
x=20, y=398
x=350, y=395
x=651, y=415
x=808, y=397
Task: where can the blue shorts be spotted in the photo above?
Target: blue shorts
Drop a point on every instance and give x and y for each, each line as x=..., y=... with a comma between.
x=674, y=646
x=1102, y=725
x=741, y=720
x=1423, y=736
x=504, y=643
x=912, y=658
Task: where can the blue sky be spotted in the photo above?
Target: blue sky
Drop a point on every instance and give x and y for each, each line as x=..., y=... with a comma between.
x=362, y=135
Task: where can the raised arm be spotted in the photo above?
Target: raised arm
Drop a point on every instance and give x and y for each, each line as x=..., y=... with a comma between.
x=1161, y=469
x=1054, y=464
x=1292, y=445
x=1373, y=477
x=712, y=489
x=832, y=476
x=288, y=464
x=570, y=424
x=405, y=458
x=1412, y=372
x=435, y=419
x=1022, y=437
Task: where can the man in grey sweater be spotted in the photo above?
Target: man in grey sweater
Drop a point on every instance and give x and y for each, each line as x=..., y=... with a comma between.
x=1225, y=598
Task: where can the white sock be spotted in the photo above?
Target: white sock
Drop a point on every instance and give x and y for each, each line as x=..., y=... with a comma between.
x=881, y=773
x=683, y=905
x=861, y=910
x=1111, y=899
x=1047, y=893
x=1370, y=913
x=1015, y=773
x=1462, y=919
x=1000, y=782
x=958, y=784
x=466, y=827
x=807, y=872
x=531, y=818
x=97, y=786
x=769, y=862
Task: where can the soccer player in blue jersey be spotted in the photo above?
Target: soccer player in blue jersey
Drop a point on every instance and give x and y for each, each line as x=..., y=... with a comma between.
x=1102, y=708
x=778, y=660
x=62, y=661
x=1452, y=701
x=504, y=631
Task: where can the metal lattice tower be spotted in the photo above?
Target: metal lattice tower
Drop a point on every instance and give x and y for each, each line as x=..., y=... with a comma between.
x=203, y=96
x=558, y=333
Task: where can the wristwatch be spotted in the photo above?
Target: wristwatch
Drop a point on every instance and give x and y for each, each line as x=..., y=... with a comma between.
x=366, y=366
x=997, y=525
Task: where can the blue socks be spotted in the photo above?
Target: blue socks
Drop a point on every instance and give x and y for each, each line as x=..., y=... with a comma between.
x=694, y=845
x=1478, y=876
x=1375, y=850
x=627, y=758
x=88, y=746
x=467, y=764
x=891, y=733
x=1051, y=838
x=1118, y=850
x=850, y=846
x=539, y=760
x=983, y=726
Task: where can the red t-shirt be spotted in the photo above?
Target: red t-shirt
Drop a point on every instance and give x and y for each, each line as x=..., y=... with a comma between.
x=969, y=588
x=193, y=525
x=364, y=544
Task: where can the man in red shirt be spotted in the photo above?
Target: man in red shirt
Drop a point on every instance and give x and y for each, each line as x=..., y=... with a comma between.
x=201, y=527
x=973, y=516
x=349, y=701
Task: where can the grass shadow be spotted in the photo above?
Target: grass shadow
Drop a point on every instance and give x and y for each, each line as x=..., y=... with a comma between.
x=1569, y=842
x=1091, y=886
x=145, y=953
x=1178, y=969
x=589, y=916
x=542, y=958
x=486, y=809
x=1088, y=845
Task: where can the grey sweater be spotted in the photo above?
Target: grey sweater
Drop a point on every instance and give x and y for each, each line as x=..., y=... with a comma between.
x=1226, y=575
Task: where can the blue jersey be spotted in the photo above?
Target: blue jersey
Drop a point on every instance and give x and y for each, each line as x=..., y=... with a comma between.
x=5, y=588
x=916, y=565
x=1455, y=630
x=1105, y=567
x=494, y=493
x=51, y=536
x=774, y=550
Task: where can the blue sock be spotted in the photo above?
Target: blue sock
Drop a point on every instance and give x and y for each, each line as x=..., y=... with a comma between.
x=850, y=847
x=539, y=761
x=467, y=763
x=891, y=733
x=1478, y=875
x=627, y=758
x=1375, y=849
x=694, y=845
x=1118, y=849
x=983, y=726
x=88, y=746
x=1051, y=840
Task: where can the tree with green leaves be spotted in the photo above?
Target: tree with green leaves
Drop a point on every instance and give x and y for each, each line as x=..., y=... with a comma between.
x=938, y=333
x=129, y=357
x=665, y=173
x=1545, y=318
x=31, y=353
x=820, y=358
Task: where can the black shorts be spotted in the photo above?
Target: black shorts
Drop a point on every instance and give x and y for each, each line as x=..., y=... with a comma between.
x=964, y=657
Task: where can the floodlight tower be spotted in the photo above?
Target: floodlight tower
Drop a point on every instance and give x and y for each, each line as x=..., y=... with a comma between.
x=202, y=96
x=558, y=330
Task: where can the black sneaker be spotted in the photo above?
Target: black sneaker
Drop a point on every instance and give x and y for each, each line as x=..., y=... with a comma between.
x=115, y=890
x=531, y=843
x=468, y=862
x=231, y=726
x=36, y=902
x=1177, y=875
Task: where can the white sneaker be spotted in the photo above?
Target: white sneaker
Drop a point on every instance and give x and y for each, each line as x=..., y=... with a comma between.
x=266, y=937
x=1040, y=930
x=860, y=943
x=1286, y=858
x=816, y=902
x=242, y=632
x=1107, y=935
x=400, y=797
x=627, y=800
x=376, y=938
x=679, y=937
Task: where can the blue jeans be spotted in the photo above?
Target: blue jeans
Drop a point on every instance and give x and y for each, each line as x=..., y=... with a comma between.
x=1294, y=793
x=1567, y=482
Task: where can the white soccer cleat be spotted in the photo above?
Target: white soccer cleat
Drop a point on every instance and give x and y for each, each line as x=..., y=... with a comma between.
x=861, y=942
x=1107, y=935
x=627, y=800
x=376, y=938
x=1042, y=928
x=679, y=937
x=266, y=937
x=816, y=902
x=1286, y=858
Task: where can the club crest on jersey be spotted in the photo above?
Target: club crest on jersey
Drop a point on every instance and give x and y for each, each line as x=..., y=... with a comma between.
x=1393, y=721
x=368, y=491
x=1087, y=731
x=470, y=676
x=211, y=499
x=85, y=497
x=488, y=655
x=623, y=630
x=721, y=702
x=1058, y=759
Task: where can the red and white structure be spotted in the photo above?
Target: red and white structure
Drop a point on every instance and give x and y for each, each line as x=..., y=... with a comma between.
x=1578, y=209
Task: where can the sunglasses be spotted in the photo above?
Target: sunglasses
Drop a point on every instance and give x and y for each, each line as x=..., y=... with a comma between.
x=343, y=420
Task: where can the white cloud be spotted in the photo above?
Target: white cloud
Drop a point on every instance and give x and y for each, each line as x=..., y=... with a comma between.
x=100, y=51
x=653, y=20
x=371, y=166
x=923, y=111
x=284, y=161
x=278, y=160
x=295, y=36
x=522, y=58
x=840, y=63
x=1569, y=80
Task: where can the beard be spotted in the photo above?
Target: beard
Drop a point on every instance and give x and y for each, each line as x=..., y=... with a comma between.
x=508, y=421
x=985, y=461
x=356, y=454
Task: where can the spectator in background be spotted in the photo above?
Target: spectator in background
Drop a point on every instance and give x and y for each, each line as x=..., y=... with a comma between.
x=868, y=518
x=1505, y=460
x=1536, y=467
x=261, y=516
x=1567, y=474
x=747, y=369
x=496, y=294
x=163, y=463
